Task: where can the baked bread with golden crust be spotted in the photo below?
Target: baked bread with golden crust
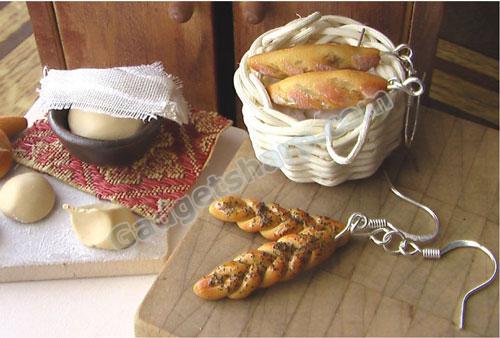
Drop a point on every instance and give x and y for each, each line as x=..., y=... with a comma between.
x=326, y=90
x=312, y=58
x=273, y=262
x=271, y=220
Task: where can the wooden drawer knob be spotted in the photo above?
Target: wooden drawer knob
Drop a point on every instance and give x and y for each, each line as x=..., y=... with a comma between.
x=253, y=12
x=180, y=11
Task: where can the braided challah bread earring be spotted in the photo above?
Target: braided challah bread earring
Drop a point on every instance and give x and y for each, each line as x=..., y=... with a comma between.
x=302, y=241
x=271, y=220
x=274, y=261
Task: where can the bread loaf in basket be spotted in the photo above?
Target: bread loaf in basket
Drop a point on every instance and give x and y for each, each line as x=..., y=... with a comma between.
x=327, y=147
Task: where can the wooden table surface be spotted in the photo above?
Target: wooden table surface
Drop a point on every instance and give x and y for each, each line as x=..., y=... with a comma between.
x=20, y=69
x=361, y=290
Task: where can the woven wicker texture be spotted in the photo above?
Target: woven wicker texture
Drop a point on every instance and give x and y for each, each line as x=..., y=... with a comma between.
x=151, y=185
x=329, y=151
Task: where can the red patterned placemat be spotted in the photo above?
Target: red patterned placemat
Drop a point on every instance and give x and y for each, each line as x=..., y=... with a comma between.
x=151, y=185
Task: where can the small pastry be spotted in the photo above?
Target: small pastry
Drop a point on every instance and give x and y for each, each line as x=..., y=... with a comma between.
x=103, y=226
x=231, y=209
x=326, y=90
x=312, y=58
x=12, y=125
x=5, y=154
x=271, y=220
x=27, y=198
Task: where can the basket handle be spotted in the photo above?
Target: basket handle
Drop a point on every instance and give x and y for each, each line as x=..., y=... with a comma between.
x=360, y=142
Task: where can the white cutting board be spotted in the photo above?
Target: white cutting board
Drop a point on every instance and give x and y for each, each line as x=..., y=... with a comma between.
x=49, y=249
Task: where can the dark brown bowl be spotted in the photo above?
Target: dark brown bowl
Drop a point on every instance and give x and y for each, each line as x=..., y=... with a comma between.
x=105, y=153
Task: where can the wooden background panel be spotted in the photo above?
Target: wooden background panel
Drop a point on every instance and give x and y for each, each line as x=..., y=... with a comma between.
x=391, y=18
x=46, y=34
x=109, y=34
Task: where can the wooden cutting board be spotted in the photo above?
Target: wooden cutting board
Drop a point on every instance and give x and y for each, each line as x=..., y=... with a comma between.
x=361, y=290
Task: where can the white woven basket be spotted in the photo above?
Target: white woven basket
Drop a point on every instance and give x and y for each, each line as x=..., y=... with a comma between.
x=325, y=150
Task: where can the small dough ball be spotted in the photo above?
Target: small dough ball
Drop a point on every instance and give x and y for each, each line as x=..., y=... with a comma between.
x=101, y=126
x=27, y=198
x=103, y=226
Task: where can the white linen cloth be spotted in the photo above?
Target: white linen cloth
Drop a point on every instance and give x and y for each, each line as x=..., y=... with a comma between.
x=141, y=92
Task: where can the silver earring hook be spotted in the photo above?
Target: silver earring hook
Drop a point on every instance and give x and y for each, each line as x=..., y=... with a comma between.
x=412, y=86
x=403, y=50
x=412, y=104
x=384, y=234
x=358, y=224
x=465, y=244
x=435, y=219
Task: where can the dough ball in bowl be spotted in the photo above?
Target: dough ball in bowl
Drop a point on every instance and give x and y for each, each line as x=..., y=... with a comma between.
x=101, y=126
x=27, y=198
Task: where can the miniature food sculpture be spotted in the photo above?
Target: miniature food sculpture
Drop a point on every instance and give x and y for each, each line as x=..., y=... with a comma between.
x=12, y=125
x=313, y=58
x=27, y=198
x=326, y=90
x=101, y=126
x=5, y=154
x=301, y=242
x=103, y=226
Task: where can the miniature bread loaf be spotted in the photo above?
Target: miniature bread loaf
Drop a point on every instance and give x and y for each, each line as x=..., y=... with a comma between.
x=273, y=262
x=271, y=220
x=5, y=154
x=326, y=90
x=12, y=125
x=312, y=58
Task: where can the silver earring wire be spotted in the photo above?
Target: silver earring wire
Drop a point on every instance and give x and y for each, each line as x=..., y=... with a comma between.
x=384, y=234
x=471, y=244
